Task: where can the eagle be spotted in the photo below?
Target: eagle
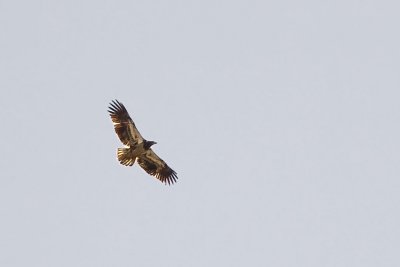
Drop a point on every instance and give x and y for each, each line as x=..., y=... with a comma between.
x=136, y=147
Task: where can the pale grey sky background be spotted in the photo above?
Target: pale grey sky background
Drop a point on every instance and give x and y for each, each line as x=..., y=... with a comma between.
x=280, y=117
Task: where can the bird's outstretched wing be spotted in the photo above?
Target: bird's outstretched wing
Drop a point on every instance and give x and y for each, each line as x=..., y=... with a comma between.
x=155, y=166
x=124, y=125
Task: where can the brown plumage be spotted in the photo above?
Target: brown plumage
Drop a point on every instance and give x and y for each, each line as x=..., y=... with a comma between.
x=137, y=148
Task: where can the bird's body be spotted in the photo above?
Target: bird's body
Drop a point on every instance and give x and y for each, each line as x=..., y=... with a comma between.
x=137, y=148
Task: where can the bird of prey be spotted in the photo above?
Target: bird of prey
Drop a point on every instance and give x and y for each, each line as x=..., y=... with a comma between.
x=136, y=147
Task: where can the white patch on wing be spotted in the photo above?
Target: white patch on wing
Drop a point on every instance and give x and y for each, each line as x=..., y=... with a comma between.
x=134, y=133
x=155, y=159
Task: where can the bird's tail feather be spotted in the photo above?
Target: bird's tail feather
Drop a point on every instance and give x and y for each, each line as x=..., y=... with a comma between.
x=125, y=157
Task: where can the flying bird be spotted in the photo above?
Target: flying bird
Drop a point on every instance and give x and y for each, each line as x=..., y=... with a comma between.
x=136, y=147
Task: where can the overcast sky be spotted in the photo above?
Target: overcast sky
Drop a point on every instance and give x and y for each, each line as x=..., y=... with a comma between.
x=281, y=119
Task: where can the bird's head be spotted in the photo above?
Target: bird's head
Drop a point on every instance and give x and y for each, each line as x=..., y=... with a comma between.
x=148, y=144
